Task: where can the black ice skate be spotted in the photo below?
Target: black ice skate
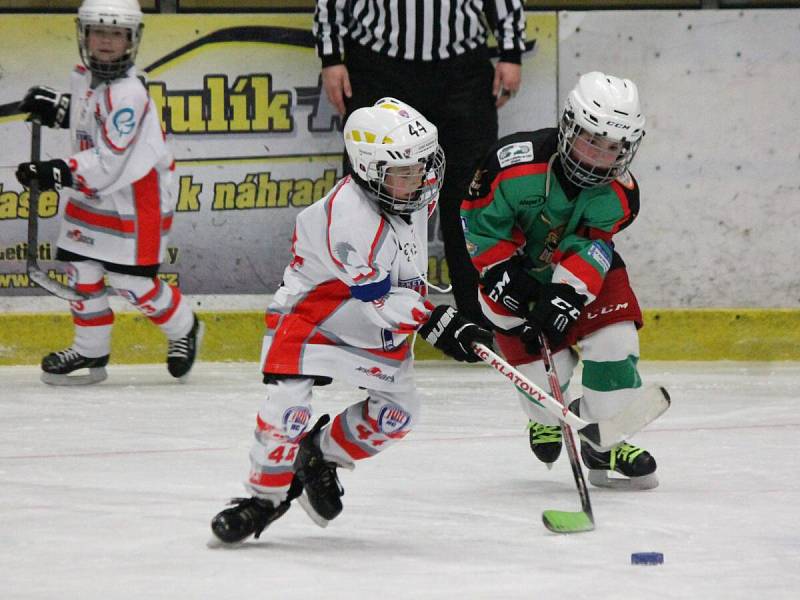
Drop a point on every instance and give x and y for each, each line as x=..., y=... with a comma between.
x=636, y=464
x=58, y=366
x=322, y=490
x=248, y=516
x=545, y=441
x=183, y=351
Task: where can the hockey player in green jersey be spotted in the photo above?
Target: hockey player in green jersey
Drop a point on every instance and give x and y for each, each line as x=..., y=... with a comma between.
x=539, y=220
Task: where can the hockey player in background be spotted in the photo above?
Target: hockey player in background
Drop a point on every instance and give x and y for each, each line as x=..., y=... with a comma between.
x=540, y=219
x=351, y=297
x=120, y=203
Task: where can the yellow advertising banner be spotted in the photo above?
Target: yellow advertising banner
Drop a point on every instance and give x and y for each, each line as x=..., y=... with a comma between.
x=254, y=138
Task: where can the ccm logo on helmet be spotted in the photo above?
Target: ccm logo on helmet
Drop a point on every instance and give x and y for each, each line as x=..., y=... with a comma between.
x=618, y=125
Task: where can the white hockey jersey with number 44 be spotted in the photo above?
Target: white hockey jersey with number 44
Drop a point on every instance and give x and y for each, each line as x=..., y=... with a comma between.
x=121, y=208
x=353, y=293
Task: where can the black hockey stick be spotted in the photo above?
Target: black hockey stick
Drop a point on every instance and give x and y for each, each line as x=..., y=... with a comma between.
x=36, y=274
x=559, y=521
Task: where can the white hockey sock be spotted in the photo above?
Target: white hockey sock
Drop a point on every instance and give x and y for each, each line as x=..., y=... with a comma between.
x=366, y=428
x=92, y=317
x=163, y=304
x=282, y=419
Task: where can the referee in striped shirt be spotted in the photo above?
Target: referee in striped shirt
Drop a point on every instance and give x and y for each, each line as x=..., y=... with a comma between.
x=431, y=54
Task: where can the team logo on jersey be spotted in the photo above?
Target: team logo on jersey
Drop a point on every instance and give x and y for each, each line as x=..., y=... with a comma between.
x=377, y=373
x=410, y=250
x=77, y=235
x=343, y=250
x=601, y=255
x=84, y=140
x=295, y=420
x=392, y=418
x=124, y=121
x=475, y=184
x=513, y=154
x=415, y=283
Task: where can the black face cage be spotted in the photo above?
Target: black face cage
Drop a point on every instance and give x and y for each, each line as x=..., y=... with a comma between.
x=107, y=71
x=580, y=173
x=428, y=185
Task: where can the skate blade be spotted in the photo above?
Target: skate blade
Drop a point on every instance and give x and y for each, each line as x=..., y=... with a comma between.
x=201, y=330
x=214, y=542
x=95, y=375
x=314, y=515
x=600, y=478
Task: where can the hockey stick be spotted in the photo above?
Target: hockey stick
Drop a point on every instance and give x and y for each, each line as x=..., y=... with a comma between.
x=36, y=274
x=561, y=521
x=602, y=435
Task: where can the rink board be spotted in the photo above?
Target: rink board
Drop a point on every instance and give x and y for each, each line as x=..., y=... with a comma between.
x=669, y=334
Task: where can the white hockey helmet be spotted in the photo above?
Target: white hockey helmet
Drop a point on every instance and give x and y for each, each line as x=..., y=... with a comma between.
x=109, y=13
x=600, y=130
x=382, y=139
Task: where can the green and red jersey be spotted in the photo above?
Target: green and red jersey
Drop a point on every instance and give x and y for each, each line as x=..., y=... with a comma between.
x=520, y=201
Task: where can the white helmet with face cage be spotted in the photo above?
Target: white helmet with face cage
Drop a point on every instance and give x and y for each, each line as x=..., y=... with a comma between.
x=602, y=112
x=382, y=139
x=125, y=14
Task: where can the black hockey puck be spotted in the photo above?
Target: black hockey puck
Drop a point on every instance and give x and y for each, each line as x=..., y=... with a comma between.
x=647, y=558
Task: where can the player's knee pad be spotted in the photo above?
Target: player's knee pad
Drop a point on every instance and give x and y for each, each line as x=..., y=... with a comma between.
x=564, y=362
x=134, y=288
x=87, y=277
x=393, y=414
x=286, y=411
x=610, y=377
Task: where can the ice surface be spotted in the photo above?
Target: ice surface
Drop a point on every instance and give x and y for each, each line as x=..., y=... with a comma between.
x=107, y=492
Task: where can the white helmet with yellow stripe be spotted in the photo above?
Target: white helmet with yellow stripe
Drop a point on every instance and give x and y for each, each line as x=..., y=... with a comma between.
x=394, y=152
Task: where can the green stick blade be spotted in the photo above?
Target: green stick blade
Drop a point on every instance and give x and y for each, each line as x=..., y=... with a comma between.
x=561, y=521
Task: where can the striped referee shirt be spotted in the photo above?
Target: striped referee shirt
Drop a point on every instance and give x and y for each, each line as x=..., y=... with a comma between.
x=419, y=30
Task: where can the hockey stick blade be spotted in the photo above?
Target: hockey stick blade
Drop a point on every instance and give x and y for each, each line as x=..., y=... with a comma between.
x=562, y=521
x=652, y=403
x=603, y=435
x=54, y=287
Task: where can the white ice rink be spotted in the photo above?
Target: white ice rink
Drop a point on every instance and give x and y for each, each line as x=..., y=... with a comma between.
x=106, y=492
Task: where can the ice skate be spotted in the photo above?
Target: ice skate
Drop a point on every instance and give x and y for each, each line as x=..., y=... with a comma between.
x=57, y=368
x=248, y=516
x=545, y=441
x=636, y=464
x=182, y=352
x=322, y=491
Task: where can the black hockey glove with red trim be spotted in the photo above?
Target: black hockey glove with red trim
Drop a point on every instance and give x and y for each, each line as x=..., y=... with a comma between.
x=453, y=334
x=47, y=105
x=556, y=311
x=508, y=284
x=51, y=174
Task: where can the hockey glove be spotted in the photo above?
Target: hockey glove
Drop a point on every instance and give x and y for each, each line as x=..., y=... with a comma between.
x=453, y=334
x=47, y=105
x=556, y=311
x=51, y=174
x=508, y=284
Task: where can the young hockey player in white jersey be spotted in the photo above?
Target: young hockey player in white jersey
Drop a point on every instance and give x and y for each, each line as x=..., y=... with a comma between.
x=353, y=294
x=120, y=206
